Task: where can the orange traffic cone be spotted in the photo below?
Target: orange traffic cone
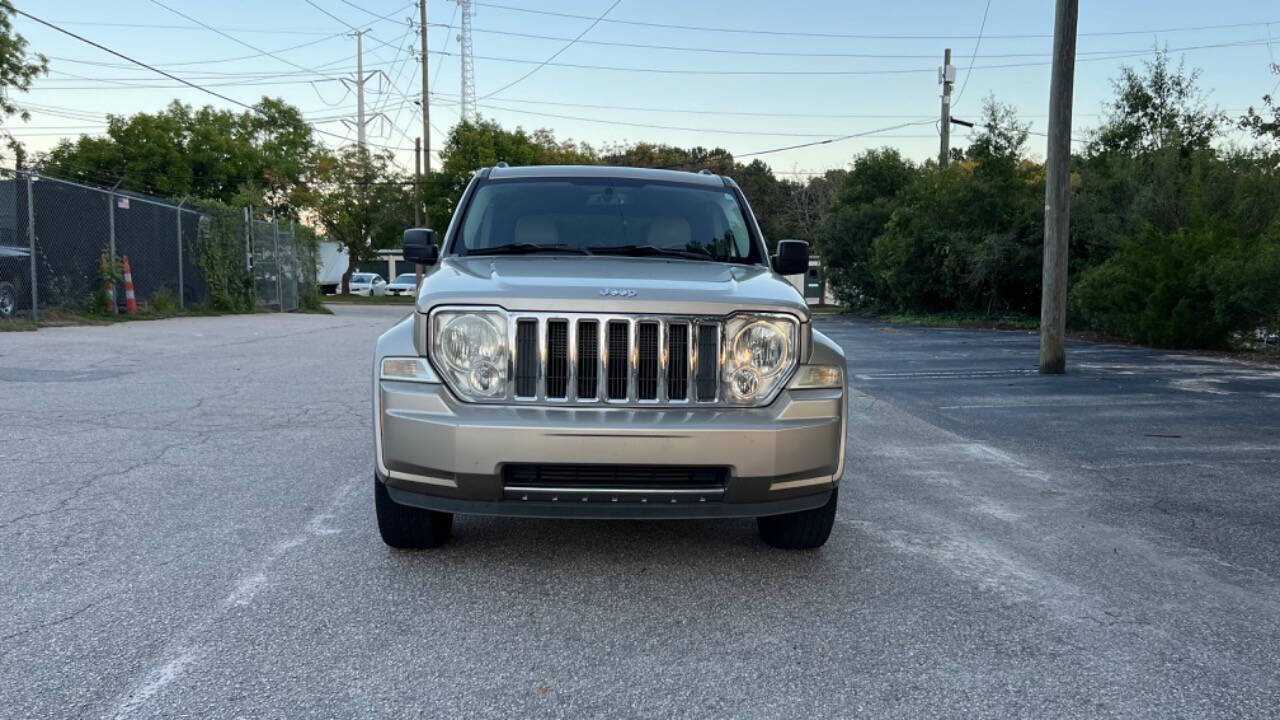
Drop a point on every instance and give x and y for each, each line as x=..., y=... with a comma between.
x=109, y=297
x=130, y=303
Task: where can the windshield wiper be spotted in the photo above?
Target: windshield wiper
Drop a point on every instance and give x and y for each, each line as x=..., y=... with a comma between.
x=648, y=251
x=527, y=249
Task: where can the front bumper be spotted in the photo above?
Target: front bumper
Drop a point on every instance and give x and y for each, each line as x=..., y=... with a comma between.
x=436, y=452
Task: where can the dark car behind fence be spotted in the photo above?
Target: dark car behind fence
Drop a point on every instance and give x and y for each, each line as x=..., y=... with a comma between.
x=54, y=234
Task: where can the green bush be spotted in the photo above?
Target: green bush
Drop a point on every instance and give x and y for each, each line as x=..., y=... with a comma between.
x=1196, y=287
x=163, y=302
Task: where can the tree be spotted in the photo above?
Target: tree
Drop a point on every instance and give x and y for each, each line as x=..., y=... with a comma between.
x=863, y=206
x=362, y=202
x=1264, y=124
x=18, y=68
x=1156, y=108
x=260, y=157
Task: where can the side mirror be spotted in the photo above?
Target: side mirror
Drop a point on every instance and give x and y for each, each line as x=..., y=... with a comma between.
x=792, y=257
x=420, y=246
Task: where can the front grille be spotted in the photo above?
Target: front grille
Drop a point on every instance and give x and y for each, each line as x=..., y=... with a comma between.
x=666, y=484
x=615, y=360
x=557, y=358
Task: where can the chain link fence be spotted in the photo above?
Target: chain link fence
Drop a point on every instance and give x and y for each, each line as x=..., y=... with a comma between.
x=64, y=244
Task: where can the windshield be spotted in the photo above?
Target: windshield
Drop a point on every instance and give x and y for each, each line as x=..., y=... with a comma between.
x=361, y=278
x=608, y=217
x=406, y=279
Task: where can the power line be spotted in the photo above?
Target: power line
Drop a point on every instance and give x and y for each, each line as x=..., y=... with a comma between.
x=155, y=26
x=556, y=54
x=158, y=71
x=232, y=37
x=829, y=141
x=718, y=131
x=976, y=46
x=862, y=36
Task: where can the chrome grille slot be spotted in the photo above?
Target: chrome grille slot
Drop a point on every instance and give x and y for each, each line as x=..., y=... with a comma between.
x=527, y=360
x=677, y=361
x=557, y=358
x=708, y=361
x=588, y=359
x=618, y=359
x=647, y=361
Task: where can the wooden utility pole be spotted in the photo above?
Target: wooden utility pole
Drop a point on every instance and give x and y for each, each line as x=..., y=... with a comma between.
x=946, y=76
x=1057, y=191
x=417, y=182
x=421, y=217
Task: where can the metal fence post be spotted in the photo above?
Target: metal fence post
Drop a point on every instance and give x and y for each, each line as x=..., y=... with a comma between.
x=31, y=243
x=275, y=234
x=182, y=303
x=248, y=242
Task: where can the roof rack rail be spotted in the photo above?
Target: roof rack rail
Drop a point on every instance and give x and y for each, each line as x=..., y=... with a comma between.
x=502, y=164
x=705, y=171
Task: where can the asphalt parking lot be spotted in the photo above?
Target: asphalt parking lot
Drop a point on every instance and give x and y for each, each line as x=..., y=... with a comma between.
x=187, y=530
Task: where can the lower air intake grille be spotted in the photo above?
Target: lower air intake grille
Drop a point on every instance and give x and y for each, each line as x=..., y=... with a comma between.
x=656, y=477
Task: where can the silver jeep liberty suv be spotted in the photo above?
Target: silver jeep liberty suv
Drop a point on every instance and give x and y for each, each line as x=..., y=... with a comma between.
x=598, y=342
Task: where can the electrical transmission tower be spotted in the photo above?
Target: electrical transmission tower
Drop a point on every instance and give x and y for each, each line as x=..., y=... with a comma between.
x=468, y=65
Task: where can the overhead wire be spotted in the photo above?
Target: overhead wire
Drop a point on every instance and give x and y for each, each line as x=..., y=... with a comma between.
x=860, y=36
x=159, y=71
x=554, y=55
x=976, y=45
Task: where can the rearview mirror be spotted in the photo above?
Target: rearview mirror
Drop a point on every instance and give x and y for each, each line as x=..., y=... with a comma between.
x=792, y=257
x=420, y=246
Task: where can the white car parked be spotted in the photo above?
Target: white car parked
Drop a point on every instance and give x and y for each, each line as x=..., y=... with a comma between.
x=368, y=285
x=404, y=284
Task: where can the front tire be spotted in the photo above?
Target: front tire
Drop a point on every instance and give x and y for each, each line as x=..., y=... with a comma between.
x=802, y=530
x=409, y=528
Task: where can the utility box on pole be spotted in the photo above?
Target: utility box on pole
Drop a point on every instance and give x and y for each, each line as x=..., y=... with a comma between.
x=946, y=78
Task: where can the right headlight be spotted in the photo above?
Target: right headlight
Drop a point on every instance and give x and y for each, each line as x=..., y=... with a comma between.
x=470, y=348
x=761, y=349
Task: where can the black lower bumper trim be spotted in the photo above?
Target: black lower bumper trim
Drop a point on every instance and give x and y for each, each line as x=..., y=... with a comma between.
x=608, y=511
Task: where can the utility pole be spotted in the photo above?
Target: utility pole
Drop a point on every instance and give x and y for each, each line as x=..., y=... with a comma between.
x=360, y=87
x=946, y=77
x=417, y=182
x=426, y=104
x=1057, y=191
x=360, y=81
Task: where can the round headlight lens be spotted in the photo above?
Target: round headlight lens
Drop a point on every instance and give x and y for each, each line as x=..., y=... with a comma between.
x=762, y=347
x=470, y=344
x=486, y=379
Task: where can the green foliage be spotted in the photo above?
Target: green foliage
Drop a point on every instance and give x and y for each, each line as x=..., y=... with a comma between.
x=362, y=203
x=103, y=299
x=262, y=158
x=219, y=252
x=863, y=205
x=1196, y=287
x=18, y=67
x=163, y=302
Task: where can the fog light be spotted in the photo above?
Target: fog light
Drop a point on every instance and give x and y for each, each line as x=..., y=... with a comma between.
x=486, y=379
x=745, y=382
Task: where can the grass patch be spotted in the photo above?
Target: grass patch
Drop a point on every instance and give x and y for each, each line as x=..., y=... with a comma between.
x=16, y=324
x=962, y=320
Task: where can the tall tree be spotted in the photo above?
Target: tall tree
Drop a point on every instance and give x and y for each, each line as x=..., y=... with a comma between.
x=1160, y=106
x=18, y=67
x=260, y=157
x=362, y=203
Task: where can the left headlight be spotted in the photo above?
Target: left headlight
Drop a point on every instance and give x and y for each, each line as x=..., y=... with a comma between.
x=470, y=348
x=760, y=351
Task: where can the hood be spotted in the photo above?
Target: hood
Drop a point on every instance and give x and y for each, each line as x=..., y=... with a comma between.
x=575, y=283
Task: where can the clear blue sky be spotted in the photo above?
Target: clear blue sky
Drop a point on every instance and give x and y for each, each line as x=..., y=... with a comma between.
x=876, y=92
